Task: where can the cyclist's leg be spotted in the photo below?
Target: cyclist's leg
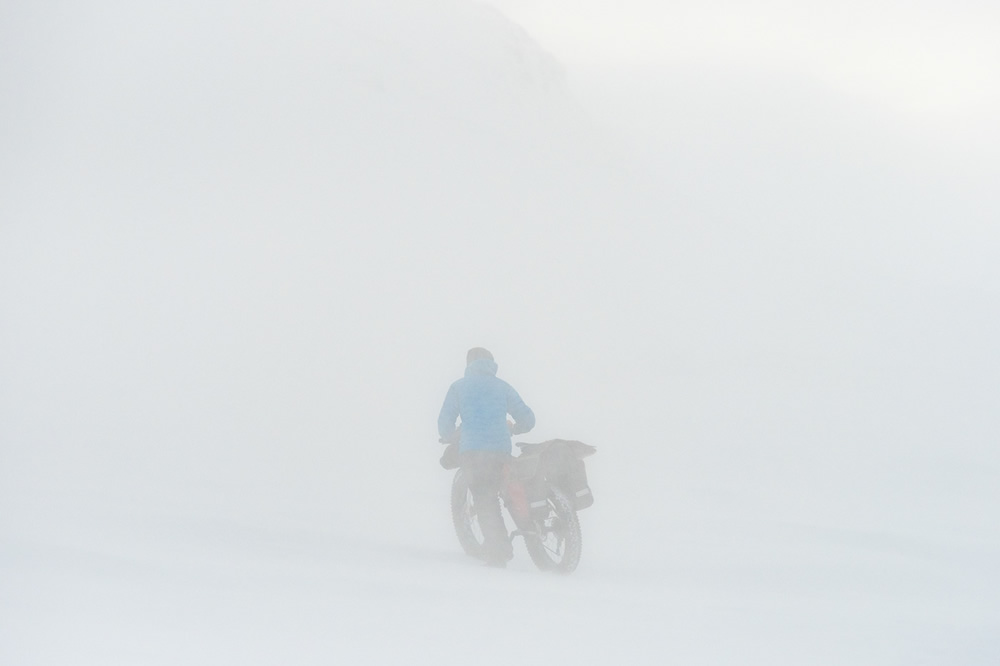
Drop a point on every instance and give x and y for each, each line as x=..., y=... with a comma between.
x=488, y=475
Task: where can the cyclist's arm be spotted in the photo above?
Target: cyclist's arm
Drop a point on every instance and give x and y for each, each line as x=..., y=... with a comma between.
x=524, y=418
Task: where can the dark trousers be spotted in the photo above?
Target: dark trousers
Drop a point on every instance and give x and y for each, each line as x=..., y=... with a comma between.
x=484, y=469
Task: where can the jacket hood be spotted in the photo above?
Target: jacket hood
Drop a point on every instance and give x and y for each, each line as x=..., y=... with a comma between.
x=482, y=366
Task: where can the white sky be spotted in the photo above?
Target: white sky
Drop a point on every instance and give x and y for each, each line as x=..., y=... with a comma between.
x=934, y=59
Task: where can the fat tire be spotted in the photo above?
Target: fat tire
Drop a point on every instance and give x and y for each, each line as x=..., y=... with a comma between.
x=562, y=507
x=461, y=500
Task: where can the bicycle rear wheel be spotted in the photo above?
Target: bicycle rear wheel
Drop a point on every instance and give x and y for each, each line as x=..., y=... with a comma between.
x=557, y=541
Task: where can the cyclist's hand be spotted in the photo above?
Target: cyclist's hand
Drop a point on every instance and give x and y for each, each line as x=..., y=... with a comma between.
x=510, y=426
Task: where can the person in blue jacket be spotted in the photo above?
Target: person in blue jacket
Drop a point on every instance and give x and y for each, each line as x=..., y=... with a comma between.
x=483, y=401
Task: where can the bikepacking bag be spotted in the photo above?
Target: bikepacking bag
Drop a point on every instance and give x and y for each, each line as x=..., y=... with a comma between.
x=450, y=458
x=563, y=461
x=576, y=484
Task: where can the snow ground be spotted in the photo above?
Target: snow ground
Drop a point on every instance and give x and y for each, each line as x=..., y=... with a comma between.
x=159, y=589
x=678, y=565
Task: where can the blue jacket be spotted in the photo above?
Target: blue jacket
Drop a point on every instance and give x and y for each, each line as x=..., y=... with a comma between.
x=483, y=402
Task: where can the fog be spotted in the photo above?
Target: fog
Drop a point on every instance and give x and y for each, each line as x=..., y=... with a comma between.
x=747, y=253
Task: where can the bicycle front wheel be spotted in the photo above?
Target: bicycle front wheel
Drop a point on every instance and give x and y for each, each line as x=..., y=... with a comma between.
x=463, y=516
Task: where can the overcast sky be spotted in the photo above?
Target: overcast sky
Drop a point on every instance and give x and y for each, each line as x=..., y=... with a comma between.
x=932, y=64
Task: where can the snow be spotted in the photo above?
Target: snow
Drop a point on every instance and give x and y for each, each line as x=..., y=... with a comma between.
x=243, y=251
x=157, y=589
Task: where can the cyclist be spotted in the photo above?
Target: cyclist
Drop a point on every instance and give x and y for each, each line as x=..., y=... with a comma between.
x=483, y=401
